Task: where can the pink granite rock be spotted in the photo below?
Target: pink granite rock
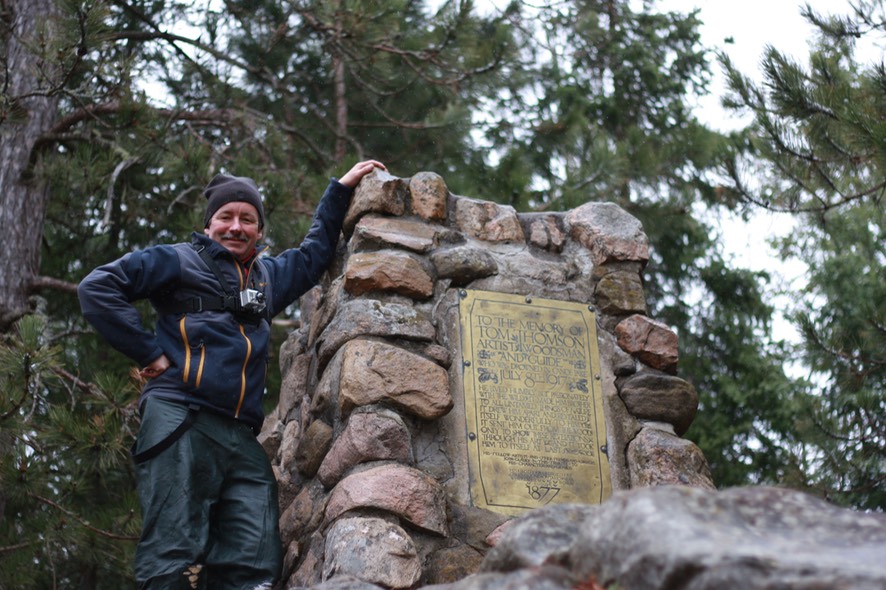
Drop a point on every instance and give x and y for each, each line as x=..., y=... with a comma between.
x=368, y=436
x=651, y=341
x=312, y=447
x=374, y=372
x=488, y=221
x=372, y=550
x=429, y=194
x=545, y=230
x=419, y=499
x=375, y=231
x=387, y=270
x=609, y=232
x=656, y=458
x=378, y=192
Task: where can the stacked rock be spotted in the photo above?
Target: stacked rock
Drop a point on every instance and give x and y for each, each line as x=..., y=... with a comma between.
x=368, y=439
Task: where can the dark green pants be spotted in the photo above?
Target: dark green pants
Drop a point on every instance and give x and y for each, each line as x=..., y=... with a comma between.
x=209, y=505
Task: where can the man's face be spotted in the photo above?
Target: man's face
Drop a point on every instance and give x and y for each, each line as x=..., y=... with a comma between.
x=235, y=226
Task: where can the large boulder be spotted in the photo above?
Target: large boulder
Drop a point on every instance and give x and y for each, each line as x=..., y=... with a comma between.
x=752, y=538
x=685, y=538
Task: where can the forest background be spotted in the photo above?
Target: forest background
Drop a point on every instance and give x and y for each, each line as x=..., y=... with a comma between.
x=115, y=113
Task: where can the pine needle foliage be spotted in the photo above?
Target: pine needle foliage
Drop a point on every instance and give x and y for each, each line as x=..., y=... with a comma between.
x=817, y=150
x=69, y=515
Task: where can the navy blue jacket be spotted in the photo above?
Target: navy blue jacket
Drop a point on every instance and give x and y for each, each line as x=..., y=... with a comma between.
x=218, y=360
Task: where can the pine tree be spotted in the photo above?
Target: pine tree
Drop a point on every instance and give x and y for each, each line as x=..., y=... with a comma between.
x=68, y=514
x=147, y=102
x=817, y=150
x=30, y=79
x=604, y=96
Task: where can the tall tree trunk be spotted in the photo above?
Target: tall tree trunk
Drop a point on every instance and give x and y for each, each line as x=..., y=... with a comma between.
x=29, y=110
x=341, y=99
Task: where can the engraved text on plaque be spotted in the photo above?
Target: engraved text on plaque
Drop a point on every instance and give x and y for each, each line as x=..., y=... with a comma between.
x=533, y=402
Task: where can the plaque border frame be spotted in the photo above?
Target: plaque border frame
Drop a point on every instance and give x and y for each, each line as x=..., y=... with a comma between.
x=467, y=299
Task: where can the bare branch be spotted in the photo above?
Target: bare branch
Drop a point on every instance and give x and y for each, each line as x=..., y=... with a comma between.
x=83, y=523
x=109, y=202
x=41, y=282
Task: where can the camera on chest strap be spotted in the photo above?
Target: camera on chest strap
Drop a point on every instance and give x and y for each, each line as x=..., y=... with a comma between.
x=252, y=301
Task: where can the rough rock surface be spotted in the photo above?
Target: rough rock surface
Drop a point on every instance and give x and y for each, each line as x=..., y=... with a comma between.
x=463, y=264
x=387, y=270
x=377, y=193
x=544, y=230
x=375, y=372
x=312, y=447
x=609, y=232
x=488, y=221
x=418, y=498
x=680, y=537
x=658, y=457
x=684, y=538
x=371, y=419
x=429, y=195
x=369, y=436
x=661, y=398
x=374, y=549
x=653, y=342
x=369, y=317
x=620, y=293
x=384, y=232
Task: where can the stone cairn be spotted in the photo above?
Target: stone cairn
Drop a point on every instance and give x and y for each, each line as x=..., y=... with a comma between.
x=368, y=437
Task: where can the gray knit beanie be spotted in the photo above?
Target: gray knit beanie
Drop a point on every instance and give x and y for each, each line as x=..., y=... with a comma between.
x=224, y=189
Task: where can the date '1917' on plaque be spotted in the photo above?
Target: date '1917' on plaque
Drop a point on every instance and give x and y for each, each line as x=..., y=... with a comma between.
x=533, y=402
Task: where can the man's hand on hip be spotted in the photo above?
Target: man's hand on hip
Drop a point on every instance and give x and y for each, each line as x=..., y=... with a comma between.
x=157, y=367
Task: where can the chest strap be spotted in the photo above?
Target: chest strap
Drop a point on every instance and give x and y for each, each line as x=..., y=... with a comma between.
x=228, y=301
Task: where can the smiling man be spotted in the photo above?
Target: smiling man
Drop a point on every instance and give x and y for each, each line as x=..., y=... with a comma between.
x=207, y=492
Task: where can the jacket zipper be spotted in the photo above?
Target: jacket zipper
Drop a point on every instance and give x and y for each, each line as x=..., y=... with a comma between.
x=243, y=371
x=243, y=281
x=187, y=345
x=200, y=365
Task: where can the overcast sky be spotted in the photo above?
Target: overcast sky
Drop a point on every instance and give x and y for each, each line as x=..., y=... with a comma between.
x=751, y=25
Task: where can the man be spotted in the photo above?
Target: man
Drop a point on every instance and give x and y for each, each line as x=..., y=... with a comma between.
x=206, y=489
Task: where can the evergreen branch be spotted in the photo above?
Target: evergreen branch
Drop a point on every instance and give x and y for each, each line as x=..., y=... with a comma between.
x=180, y=197
x=68, y=74
x=744, y=193
x=115, y=107
x=54, y=339
x=11, y=548
x=88, y=388
x=58, y=132
x=395, y=122
x=293, y=130
x=16, y=405
x=84, y=523
x=127, y=410
x=458, y=75
x=366, y=84
x=854, y=362
x=172, y=39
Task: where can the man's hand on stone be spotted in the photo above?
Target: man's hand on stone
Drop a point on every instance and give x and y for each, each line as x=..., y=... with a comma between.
x=360, y=169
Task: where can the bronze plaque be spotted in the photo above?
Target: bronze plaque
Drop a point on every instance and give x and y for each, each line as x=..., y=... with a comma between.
x=533, y=402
